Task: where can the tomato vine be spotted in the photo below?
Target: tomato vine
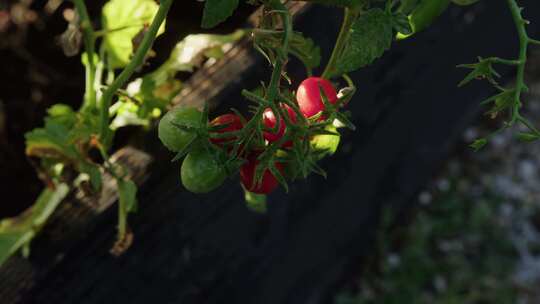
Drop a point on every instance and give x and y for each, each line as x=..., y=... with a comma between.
x=282, y=136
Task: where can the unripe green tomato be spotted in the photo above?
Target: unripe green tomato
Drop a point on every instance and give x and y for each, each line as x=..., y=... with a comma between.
x=201, y=172
x=464, y=2
x=174, y=138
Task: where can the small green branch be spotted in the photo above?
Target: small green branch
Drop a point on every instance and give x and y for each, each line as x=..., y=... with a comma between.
x=523, y=46
x=534, y=41
x=89, y=44
x=528, y=124
x=136, y=61
x=503, y=61
x=273, y=87
x=350, y=15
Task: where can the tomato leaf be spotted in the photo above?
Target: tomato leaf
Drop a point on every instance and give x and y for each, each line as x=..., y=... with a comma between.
x=123, y=20
x=483, y=69
x=478, y=144
x=370, y=36
x=155, y=90
x=255, y=202
x=18, y=231
x=217, y=11
x=301, y=47
x=528, y=137
x=326, y=143
x=94, y=173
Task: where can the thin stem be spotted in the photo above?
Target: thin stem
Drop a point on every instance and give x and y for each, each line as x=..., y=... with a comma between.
x=273, y=87
x=523, y=45
x=89, y=44
x=534, y=41
x=504, y=61
x=136, y=61
x=528, y=124
x=348, y=19
x=122, y=216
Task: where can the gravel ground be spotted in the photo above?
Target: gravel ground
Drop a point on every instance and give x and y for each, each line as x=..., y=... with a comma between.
x=475, y=237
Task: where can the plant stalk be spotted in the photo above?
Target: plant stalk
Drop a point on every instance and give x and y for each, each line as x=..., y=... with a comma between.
x=136, y=61
x=89, y=44
x=349, y=16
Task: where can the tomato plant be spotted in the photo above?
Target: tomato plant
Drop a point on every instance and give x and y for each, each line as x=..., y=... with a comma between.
x=281, y=138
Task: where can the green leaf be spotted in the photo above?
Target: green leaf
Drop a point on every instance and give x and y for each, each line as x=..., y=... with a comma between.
x=94, y=173
x=123, y=20
x=156, y=89
x=255, y=202
x=301, y=47
x=501, y=102
x=483, y=69
x=401, y=24
x=478, y=144
x=18, y=231
x=528, y=137
x=127, y=191
x=326, y=143
x=370, y=36
x=217, y=11
x=424, y=14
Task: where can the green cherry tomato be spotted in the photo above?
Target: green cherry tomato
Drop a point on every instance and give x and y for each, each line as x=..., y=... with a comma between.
x=174, y=138
x=201, y=172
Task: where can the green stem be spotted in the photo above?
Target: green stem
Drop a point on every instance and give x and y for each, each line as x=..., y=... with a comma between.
x=534, y=41
x=122, y=215
x=523, y=45
x=504, y=61
x=530, y=126
x=273, y=87
x=136, y=61
x=350, y=15
x=89, y=44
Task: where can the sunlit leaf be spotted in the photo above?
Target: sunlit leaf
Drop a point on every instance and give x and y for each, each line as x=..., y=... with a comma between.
x=123, y=20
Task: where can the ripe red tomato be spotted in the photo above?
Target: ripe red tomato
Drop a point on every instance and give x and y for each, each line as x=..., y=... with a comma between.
x=309, y=98
x=270, y=120
x=247, y=175
x=233, y=123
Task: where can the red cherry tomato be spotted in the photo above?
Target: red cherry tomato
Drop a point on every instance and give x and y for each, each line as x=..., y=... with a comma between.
x=247, y=175
x=270, y=120
x=233, y=123
x=309, y=98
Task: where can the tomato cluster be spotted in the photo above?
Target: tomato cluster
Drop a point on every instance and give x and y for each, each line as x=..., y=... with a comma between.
x=211, y=145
